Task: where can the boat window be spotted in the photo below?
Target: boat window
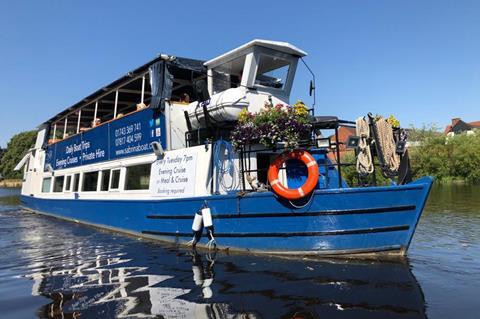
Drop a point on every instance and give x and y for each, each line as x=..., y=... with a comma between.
x=68, y=183
x=87, y=114
x=105, y=108
x=56, y=132
x=137, y=177
x=105, y=180
x=228, y=75
x=115, y=182
x=46, y=184
x=58, y=184
x=272, y=71
x=72, y=123
x=184, y=83
x=76, y=182
x=130, y=96
x=89, y=183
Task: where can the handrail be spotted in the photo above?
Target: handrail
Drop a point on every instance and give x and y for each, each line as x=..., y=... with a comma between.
x=101, y=124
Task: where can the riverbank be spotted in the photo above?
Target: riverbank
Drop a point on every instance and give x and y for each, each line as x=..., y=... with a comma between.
x=11, y=183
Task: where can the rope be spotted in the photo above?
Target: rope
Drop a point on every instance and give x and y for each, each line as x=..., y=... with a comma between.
x=222, y=166
x=386, y=143
x=364, y=158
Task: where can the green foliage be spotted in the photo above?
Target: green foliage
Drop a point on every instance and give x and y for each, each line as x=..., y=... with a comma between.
x=2, y=152
x=272, y=125
x=17, y=147
x=350, y=174
x=447, y=158
x=423, y=133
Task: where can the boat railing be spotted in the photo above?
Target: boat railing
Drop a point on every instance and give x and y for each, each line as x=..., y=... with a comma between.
x=336, y=150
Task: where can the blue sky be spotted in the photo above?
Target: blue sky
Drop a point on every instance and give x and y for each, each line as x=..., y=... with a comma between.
x=419, y=60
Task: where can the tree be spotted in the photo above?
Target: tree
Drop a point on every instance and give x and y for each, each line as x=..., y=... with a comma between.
x=17, y=147
x=2, y=151
x=423, y=133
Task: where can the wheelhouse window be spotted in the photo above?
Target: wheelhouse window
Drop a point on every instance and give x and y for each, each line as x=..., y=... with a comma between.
x=228, y=75
x=76, y=182
x=58, y=184
x=137, y=177
x=105, y=180
x=90, y=180
x=115, y=180
x=272, y=72
x=46, y=183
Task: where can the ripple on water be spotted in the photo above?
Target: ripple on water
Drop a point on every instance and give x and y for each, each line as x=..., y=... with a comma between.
x=55, y=269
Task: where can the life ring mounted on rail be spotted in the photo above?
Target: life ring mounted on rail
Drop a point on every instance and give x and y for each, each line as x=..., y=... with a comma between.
x=303, y=190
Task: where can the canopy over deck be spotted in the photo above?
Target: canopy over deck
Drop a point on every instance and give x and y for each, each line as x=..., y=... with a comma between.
x=183, y=63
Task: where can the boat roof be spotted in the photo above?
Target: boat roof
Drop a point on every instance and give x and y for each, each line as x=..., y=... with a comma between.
x=192, y=64
x=178, y=61
x=284, y=47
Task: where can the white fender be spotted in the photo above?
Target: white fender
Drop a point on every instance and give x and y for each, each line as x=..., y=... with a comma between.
x=207, y=217
x=197, y=275
x=197, y=222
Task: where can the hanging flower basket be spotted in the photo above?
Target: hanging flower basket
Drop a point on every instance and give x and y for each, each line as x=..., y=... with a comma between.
x=273, y=125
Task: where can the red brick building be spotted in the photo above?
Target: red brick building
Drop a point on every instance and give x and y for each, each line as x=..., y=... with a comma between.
x=343, y=134
x=458, y=126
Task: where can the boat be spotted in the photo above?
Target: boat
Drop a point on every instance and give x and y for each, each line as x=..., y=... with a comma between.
x=158, y=154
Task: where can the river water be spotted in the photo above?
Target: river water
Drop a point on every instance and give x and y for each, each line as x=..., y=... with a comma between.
x=55, y=269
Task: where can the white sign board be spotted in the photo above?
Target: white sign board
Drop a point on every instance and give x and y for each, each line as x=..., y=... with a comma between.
x=174, y=175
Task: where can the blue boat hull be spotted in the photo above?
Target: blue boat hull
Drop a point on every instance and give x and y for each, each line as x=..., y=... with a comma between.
x=334, y=221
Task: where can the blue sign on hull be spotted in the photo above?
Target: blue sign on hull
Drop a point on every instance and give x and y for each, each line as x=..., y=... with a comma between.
x=128, y=136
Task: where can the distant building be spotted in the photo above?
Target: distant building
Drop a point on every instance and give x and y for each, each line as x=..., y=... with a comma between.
x=343, y=134
x=458, y=126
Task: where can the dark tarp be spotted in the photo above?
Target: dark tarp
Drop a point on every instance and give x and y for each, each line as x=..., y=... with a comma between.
x=161, y=82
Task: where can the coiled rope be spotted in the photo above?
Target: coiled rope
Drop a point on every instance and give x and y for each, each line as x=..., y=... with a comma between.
x=224, y=164
x=387, y=146
x=364, y=158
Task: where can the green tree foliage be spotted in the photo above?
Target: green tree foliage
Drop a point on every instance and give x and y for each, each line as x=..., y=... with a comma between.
x=421, y=134
x=18, y=145
x=2, y=151
x=349, y=172
x=447, y=158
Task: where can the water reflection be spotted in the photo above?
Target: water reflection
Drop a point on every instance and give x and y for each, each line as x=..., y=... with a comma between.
x=55, y=269
x=80, y=272
x=192, y=285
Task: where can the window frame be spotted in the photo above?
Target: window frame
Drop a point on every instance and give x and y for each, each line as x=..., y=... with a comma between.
x=76, y=179
x=55, y=184
x=49, y=186
x=287, y=87
x=101, y=176
x=83, y=182
x=110, y=188
x=124, y=185
x=284, y=84
x=68, y=183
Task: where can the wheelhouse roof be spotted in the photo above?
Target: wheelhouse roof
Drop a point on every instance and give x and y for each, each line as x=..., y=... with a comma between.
x=185, y=62
x=284, y=47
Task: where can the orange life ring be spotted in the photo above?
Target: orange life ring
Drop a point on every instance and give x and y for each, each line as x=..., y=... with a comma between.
x=306, y=188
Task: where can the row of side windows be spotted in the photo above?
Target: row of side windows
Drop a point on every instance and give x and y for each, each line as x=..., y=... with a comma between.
x=136, y=178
